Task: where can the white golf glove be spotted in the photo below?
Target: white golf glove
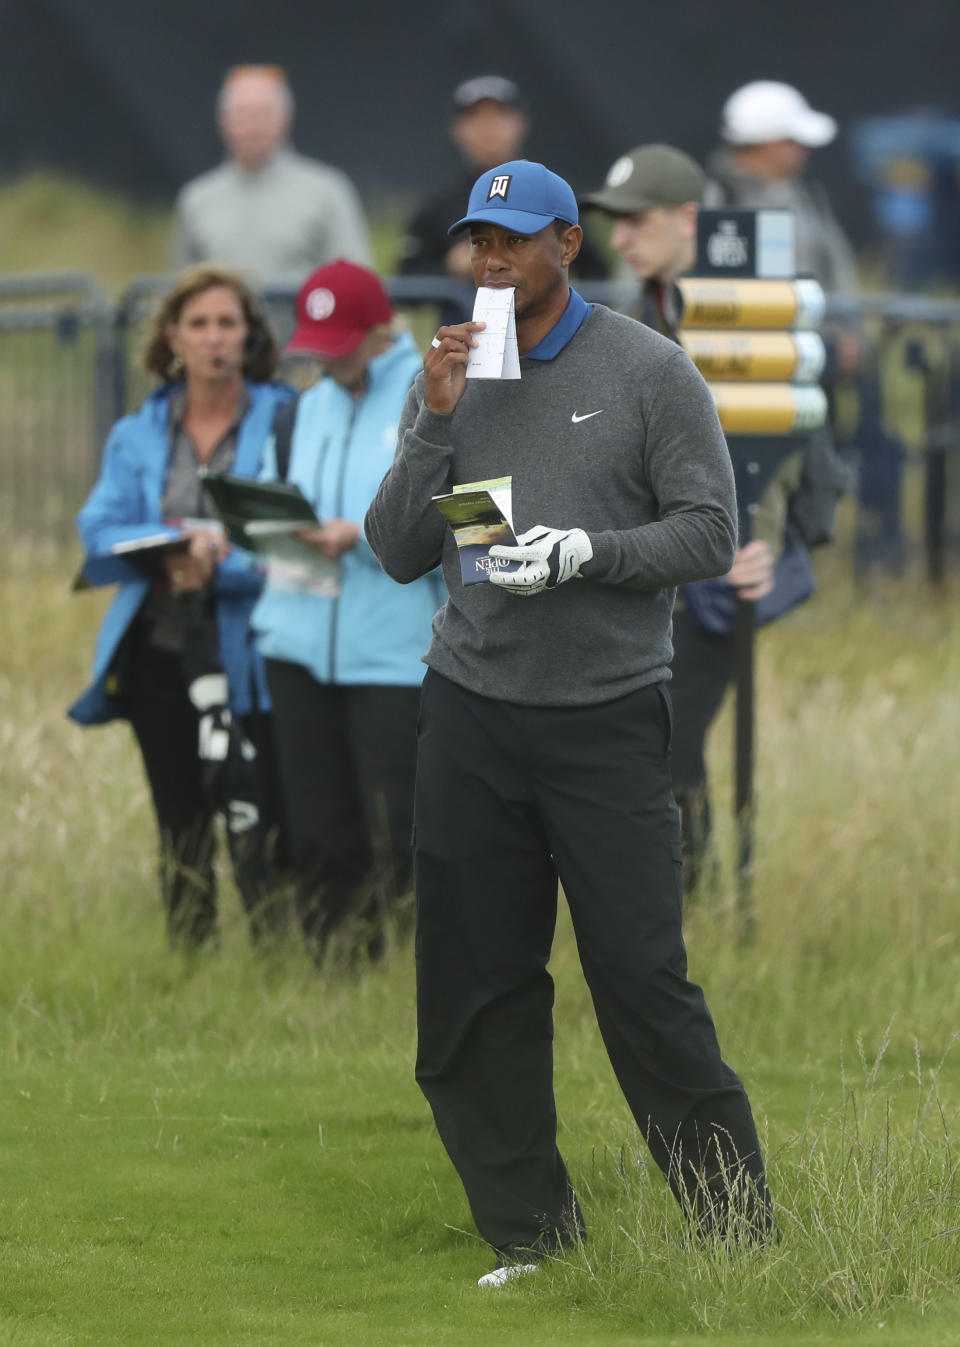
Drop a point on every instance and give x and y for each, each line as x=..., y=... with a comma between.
x=548, y=556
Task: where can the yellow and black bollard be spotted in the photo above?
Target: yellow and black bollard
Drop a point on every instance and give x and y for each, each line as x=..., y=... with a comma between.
x=749, y=327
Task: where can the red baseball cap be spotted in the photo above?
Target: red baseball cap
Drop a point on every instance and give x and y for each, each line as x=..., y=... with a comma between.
x=337, y=305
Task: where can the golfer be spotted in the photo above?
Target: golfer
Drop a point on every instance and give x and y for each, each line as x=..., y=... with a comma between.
x=545, y=734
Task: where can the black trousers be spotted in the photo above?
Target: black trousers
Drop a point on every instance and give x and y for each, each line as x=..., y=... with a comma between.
x=509, y=798
x=347, y=760
x=165, y=724
x=704, y=666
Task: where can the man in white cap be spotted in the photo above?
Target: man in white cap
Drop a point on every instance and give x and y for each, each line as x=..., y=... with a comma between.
x=768, y=130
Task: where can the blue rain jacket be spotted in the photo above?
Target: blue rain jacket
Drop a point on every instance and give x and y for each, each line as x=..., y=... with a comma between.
x=126, y=503
x=375, y=630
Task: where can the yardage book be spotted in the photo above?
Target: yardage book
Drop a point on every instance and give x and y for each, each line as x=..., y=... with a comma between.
x=265, y=517
x=256, y=515
x=147, y=553
x=480, y=516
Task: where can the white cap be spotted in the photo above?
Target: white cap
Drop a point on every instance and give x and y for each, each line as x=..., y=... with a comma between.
x=768, y=110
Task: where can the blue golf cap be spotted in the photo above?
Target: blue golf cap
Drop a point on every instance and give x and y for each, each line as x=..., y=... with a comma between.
x=519, y=195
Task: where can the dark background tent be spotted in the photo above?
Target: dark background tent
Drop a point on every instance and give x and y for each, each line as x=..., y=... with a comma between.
x=123, y=93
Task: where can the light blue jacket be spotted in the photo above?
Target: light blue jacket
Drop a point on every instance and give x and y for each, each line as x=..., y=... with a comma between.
x=126, y=503
x=375, y=631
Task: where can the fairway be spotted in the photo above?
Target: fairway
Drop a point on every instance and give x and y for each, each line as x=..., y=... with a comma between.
x=231, y=1150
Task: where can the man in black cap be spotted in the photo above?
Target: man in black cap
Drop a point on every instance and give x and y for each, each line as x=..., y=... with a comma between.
x=489, y=126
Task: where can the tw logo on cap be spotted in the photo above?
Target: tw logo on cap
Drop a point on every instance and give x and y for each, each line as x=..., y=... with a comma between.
x=500, y=186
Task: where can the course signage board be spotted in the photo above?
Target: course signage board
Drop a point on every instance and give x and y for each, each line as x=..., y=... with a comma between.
x=746, y=243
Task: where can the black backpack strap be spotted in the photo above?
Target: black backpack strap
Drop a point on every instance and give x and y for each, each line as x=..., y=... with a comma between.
x=283, y=420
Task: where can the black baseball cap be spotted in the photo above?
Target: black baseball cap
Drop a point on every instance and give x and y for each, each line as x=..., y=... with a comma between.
x=497, y=88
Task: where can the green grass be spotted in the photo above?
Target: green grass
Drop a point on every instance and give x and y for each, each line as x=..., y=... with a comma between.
x=231, y=1150
x=49, y=222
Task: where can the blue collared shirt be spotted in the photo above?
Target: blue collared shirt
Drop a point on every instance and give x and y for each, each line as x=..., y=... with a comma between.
x=572, y=319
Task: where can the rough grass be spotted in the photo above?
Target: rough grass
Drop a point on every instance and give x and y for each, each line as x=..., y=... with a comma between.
x=231, y=1150
x=49, y=222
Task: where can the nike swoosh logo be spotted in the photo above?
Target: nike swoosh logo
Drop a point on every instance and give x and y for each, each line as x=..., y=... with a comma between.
x=586, y=417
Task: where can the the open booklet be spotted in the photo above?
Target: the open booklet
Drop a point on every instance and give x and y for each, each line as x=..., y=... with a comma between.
x=480, y=515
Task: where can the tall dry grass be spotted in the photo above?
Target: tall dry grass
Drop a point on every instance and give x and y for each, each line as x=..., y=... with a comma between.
x=841, y=1017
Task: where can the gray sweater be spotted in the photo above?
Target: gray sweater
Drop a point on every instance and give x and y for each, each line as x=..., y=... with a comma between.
x=648, y=478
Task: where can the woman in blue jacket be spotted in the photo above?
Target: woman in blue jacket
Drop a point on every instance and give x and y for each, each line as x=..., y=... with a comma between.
x=343, y=641
x=174, y=655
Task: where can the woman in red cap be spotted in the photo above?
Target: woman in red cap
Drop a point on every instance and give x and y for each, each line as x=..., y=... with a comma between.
x=342, y=641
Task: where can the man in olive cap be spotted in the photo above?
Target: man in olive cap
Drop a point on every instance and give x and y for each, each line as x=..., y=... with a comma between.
x=653, y=194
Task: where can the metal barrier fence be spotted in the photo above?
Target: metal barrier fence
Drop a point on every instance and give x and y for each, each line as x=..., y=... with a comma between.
x=69, y=367
x=55, y=398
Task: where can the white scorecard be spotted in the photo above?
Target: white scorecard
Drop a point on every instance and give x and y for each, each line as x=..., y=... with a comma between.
x=495, y=355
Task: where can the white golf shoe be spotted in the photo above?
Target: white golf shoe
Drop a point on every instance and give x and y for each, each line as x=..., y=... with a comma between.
x=501, y=1275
